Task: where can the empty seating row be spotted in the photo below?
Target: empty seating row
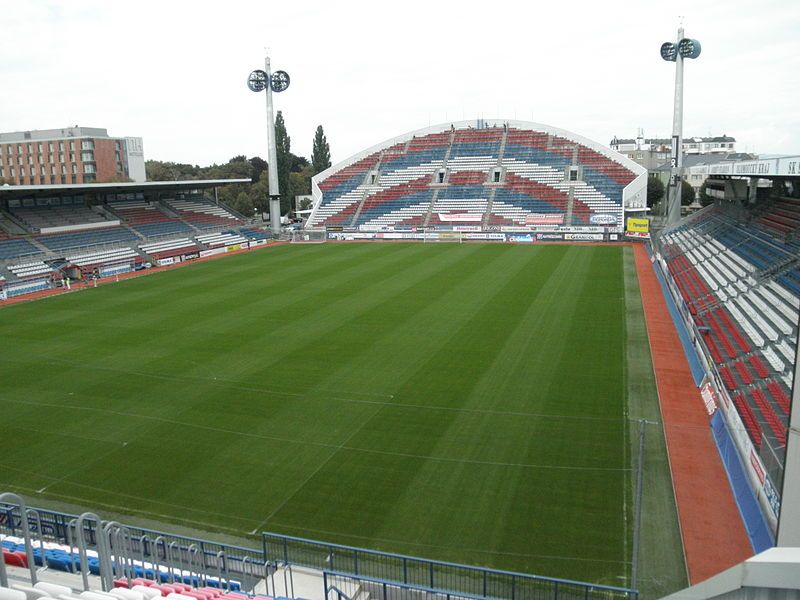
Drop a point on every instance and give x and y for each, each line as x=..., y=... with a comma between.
x=31, y=269
x=65, y=558
x=169, y=248
x=41, y=217
x=215, y=240
x=104, y=258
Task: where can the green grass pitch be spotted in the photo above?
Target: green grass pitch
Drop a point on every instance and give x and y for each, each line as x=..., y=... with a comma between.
x=459, y=402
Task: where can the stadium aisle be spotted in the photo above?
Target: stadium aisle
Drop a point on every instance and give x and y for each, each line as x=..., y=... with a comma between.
x=714, y=537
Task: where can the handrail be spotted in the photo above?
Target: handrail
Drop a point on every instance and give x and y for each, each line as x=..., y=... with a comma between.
x=431, y=565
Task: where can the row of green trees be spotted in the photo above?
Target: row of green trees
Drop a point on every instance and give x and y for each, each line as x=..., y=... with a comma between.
x=656, y=192
x=294, y=173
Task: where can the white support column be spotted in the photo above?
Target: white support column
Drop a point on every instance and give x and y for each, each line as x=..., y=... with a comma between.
x=789, y=519
x=272, y=159
x=675, y=183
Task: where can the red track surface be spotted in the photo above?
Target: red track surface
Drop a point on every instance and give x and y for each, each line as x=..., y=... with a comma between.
x=714, y=537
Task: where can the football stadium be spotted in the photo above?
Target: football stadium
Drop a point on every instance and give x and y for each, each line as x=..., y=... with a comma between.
x=482, y=368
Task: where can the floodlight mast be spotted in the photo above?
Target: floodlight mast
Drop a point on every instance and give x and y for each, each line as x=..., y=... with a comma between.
x=683, y=48
x=272, y=159
x=260, y=81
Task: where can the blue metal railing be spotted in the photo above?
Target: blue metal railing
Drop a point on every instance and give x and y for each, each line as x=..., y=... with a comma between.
x=441, y=577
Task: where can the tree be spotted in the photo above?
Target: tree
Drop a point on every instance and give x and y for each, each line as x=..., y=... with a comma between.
x=687, y=193
x=259, y=167
x=655, y=190
x=321, y=153
x=283, y=143
x=705, y=199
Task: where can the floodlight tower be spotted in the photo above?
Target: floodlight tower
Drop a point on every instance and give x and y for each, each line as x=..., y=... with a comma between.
x=677, y=52
x=277, y=82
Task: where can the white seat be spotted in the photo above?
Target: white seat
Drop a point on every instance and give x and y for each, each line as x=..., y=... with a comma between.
x=174, y=596
x=88, y=595
x=52, y=589
x=145, y=591
x=9, y=594
x=126, y=594
x=30, y=593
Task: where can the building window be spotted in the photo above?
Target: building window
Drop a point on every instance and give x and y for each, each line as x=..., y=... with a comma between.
x=61, y=157
x=71, y=157
x=74, y=168
x=2, y=173
x=50, y=146
x=41, y=170
x=30, y=148
x=39, y=146
x=50, y=158
x=89, y=157
x=30, y=159
x=61, y=146
x=19, y=148
x=11, y=172
x=72, y=146
x=63, y=170
x=52, y=169
x=87, y=145
x=88, y=169
x=22, y=171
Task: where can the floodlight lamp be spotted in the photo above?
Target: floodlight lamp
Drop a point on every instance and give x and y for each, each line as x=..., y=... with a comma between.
x=689, y=48
x=669, y=51
x=257, y=81
x=279, y=81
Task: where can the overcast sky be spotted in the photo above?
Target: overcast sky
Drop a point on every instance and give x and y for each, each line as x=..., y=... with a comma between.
x=174, y=72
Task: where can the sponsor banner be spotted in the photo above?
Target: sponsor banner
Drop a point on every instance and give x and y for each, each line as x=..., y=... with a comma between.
x=350, y=236
x=583, y=237
x=334, y=229
x=460, y=217
x=613, y=237
x=476, y=236
x=710, y=399
x=493, y=228
x=254, y=243
x=603, y=219
x=233, y=247
x=212, y=252
x=638, y=225
x=772, y=497
x=170, y=260
x=3, y=295
x=519, y=238
x=637, y=235
x=580, y=229
x=552, y=237
x=191, y=255
x=512, y=229
x=467, y=228
x=544, y=219
x=757, y=468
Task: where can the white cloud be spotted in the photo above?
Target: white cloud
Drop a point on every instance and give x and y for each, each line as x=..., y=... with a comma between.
x=174, y=72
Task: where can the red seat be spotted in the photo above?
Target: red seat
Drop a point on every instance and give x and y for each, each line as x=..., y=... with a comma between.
x=15, y=559
x=758, y=365
x=780, y=396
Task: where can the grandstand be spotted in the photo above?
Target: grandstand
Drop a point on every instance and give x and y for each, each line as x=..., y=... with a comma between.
x=108, y=229
x=479, y=174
